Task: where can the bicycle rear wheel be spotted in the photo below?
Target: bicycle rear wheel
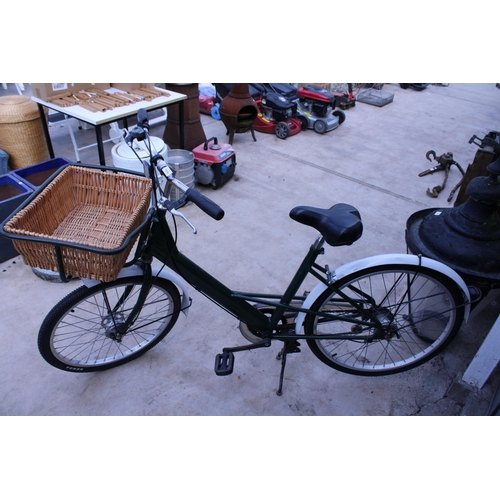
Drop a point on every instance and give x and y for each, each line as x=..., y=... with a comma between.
x=420, y=311
x=82, y=332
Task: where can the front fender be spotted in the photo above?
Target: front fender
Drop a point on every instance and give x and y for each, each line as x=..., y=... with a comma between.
x=380, y=260
x=164, y=274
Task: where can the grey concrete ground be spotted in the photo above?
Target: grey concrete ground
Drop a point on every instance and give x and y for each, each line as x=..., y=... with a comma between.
x=371, y=161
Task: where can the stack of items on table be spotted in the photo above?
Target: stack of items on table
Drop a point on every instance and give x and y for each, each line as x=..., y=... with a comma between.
x=101, y=100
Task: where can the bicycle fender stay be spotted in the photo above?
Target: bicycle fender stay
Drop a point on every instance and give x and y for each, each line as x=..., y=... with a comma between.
x=380, y=260
x=164, y=274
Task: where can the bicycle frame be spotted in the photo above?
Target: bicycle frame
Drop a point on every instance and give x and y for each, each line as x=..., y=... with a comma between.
x=162, y=246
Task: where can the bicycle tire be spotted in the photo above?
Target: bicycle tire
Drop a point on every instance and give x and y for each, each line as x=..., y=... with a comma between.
x=420, y=309
x=77, y=334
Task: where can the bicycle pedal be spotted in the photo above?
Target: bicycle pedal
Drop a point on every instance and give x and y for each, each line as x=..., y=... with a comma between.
x=224, y=363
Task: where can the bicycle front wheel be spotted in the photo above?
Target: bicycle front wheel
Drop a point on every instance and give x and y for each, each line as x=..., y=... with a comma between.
x=84, y=331
x=398, y=317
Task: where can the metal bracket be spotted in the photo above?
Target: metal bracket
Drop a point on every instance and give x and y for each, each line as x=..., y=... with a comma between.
x=445, y=161
x=330, y=278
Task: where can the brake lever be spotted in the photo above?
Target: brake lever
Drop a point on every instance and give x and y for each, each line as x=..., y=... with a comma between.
x=136, y=133
x=174, y=211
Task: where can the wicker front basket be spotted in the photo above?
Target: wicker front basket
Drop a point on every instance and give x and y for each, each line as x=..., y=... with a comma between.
x=85, y=206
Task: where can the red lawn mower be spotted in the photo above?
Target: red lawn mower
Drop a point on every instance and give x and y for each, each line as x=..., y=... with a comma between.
x=315, y=105
x=277, y=114
x=345, y=100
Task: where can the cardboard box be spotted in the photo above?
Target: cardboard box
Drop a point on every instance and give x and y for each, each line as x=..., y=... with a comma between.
x=45, y=91
x=68, y=94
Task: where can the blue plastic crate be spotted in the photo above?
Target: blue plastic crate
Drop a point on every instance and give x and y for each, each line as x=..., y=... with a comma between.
x=4, y=162
x=13, y=193
x=35, y=175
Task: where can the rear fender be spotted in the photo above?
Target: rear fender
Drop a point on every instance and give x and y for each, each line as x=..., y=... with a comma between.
x=379, y=260
x=164, y=274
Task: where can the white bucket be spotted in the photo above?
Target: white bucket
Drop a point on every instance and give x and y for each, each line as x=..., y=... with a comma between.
x=183, y=163
x=125, y=159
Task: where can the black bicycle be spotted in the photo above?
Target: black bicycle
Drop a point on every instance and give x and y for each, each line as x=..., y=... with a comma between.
x=376, y=316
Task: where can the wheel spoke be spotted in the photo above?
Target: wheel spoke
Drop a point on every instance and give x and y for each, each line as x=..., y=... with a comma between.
x=414, y=313
x=86, y=330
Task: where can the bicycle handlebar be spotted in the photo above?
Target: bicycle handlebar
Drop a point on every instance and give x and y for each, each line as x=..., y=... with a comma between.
x=190, y=194
x=206, y=204
x=142, y=118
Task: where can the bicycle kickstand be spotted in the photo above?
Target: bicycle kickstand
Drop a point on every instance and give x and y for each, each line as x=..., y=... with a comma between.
x=290, y=346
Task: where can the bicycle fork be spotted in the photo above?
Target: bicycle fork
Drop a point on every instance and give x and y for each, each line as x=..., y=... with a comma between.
x=116, y=328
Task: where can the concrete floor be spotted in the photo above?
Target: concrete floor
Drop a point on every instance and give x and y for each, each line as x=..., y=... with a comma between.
x=371, y=161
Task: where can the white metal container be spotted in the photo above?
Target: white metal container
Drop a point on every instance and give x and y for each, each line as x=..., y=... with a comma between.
x=124, y=158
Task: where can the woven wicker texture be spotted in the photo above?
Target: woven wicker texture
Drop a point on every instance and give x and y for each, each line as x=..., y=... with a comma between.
x=88, y=207
x=21, y=131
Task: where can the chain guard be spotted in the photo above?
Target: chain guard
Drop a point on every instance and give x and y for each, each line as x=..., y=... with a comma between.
x=253, y=335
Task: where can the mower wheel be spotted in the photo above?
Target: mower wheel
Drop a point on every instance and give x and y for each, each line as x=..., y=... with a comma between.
x=304, y=124
x=282, y=130
x=320, y=126
x=340, y=115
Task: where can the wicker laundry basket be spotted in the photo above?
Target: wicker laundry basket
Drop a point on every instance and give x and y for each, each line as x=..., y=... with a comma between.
x=83, y=206
x=21, y=131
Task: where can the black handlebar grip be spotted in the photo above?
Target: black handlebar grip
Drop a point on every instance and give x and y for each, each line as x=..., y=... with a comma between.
x=207, y=205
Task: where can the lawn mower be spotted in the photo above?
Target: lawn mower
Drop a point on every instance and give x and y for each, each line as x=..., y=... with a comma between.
x=315, y=106
x=214, y=164
x=345, y=100
x=277, y=114
x=316, y=109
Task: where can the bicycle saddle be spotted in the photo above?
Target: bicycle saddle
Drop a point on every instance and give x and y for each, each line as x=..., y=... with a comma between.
x=339, y=225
